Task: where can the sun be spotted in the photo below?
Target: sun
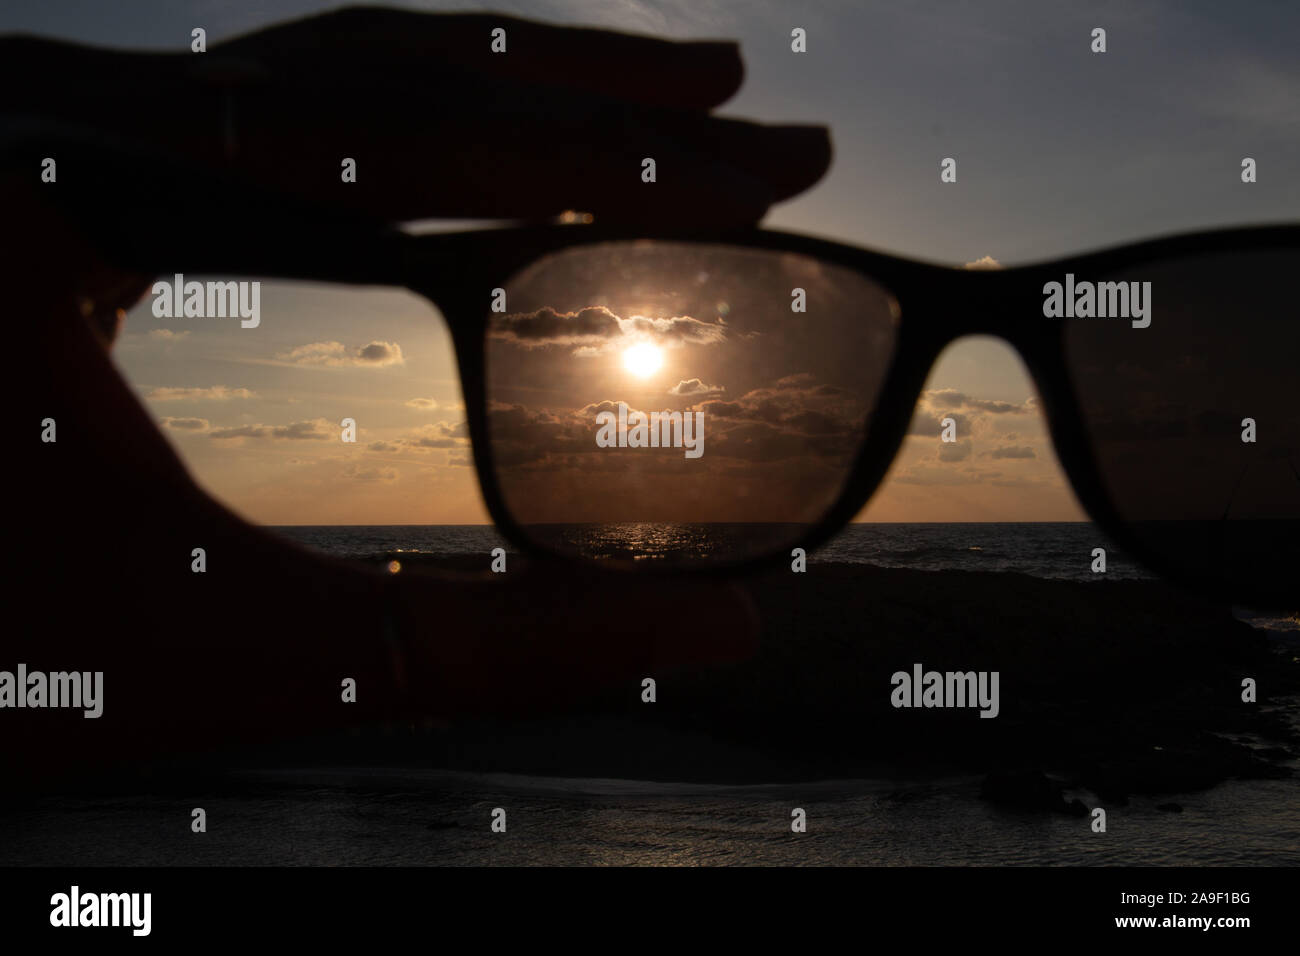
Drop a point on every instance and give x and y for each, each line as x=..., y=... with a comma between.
x=642, y=360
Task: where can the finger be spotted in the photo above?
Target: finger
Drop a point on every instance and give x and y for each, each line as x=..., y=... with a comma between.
x=369, y=45
x=501, y=152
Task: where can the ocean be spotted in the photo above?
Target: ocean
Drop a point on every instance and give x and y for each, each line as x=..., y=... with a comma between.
x=1047, y=550
x=1056, y=550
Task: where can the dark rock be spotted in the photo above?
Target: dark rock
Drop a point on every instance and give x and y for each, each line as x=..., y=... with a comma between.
x=1027, y=790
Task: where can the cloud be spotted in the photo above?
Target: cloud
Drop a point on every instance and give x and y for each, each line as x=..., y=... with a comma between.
x=314, y=431
x=797, y=380
x=951, y=398
x=596, y=407
x=167, y=335
x=544, y=327
x=380, y=353
x=795, y=420
x=694, y=386
x=185, y=424
x=319, y=429
x=215, y=393
x=438, y=435
x=358, y=473
x=594, y=329
x=679, y=329
x=932, y=475
x=241, y=431
x=337, y=355
x=433, y=405
x=1036, y=481
x=1012, y=451
x=984, y=262
x=929, y=424
x=955, y=451
x=923, y=473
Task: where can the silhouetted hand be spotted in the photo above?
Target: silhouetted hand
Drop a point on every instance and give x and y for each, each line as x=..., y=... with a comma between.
x=439, y=126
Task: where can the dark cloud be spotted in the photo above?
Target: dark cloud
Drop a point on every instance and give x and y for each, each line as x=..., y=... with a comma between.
x=796, y=420
x=799, y=417
x=813, y=423
x=216, y=392
x=797, y=380
x=318, y=430
x=717, y=409
x=596, y=326
x=359, y=473
x=241, y=431
x=302, y=431
x=954, y=451
x=755, y=441
x=1013, y=451
x=438, y=435
x=547, y=327
x=337, y=355
x=930, y=424
x=186, y=424
x=951, y=398
x=934, y=475
x=380, y=353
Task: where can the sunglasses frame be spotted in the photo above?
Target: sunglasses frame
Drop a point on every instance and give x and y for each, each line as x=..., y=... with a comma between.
x=939, y=304
x=457, y=272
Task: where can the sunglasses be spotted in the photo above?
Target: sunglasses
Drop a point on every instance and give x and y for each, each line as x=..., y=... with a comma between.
x=1166, y=371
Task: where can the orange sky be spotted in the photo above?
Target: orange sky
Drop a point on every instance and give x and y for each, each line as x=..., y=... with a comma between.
x=255, y=413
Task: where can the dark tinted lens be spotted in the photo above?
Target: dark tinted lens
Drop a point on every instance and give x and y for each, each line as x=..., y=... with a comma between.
x=1195, y=419
x=681, y=401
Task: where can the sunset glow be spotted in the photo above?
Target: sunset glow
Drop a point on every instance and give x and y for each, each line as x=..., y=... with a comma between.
x=642, y=360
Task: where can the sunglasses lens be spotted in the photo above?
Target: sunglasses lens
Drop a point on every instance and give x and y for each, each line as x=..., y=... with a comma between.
x=1194, y=419
x=681, y=401
x=331, y=413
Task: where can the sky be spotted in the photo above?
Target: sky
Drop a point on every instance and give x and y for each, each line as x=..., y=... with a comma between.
x=1058, y=150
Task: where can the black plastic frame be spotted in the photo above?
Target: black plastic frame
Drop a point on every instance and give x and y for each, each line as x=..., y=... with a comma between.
x=457, y=271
